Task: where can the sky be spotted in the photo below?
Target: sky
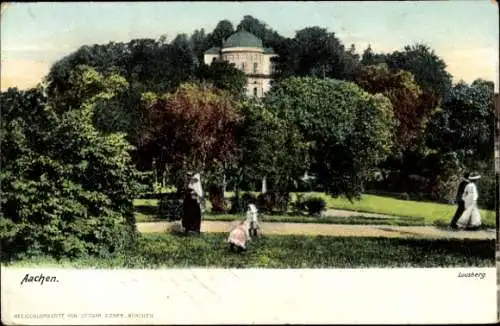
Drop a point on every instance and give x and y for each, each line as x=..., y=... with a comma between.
x=462, y=32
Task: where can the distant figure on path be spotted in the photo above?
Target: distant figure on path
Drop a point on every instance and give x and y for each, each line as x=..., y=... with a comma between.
x=252, y=217
x=470, y=218
x=192, y=205
x=459, y=201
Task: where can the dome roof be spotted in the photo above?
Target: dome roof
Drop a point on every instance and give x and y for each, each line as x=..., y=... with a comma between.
x=242, y=39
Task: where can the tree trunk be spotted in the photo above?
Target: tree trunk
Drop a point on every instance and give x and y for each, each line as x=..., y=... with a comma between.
x=224, y=185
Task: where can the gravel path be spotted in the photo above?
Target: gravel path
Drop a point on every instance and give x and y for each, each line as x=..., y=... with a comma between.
x=386, y=231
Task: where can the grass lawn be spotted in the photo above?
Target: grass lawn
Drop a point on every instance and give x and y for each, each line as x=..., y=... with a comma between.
x=210, y=250
x=398, y=207
x=405, y=212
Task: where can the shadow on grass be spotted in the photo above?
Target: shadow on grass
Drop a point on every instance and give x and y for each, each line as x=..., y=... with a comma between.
x=398, y=231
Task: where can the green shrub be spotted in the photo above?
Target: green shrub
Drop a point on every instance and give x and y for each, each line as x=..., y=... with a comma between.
x=66, y=189
x=315, y=205
x=299, y=204
x=312, y=204
x=240, y=204
x=219, y=203
x=273, y=202
x=487, y=191
x=170, y=207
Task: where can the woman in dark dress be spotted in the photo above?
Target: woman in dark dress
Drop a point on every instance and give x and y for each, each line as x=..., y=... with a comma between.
x=191, y=220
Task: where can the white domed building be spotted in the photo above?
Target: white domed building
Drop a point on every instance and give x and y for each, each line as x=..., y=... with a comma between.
x=248, y=54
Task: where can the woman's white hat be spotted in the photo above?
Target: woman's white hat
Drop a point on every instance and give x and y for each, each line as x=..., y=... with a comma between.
x=474, y=176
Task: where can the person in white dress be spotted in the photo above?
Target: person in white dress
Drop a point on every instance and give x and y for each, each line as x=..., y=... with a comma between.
x=239, y=236
x=471, y=217
x=252, y=217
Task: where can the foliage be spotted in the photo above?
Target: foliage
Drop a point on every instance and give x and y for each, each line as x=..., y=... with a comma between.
x=349, y=131
x=147, y=64
x=369, y=58
x=66, y=189
x=224, y=76
x=222, y=31
x=465, y=123
x=239, y=204
x=273, y=202
x=315, y=205
x=198, y=43
x=170, y=207
x=404, y=93
x=319, y=53
x=427, y=67
x=268, y=147
x=216, y=197
x=191, y=129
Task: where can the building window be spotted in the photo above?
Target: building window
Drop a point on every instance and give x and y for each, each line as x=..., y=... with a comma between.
x=243, y=66
x=255, y=65
x=255, y=91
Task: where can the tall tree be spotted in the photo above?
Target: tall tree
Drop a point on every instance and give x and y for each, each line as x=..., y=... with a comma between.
x=222, y=31
x=319, y=53
x=224, y=76
x=191, y=129
x=370, y=58
x=349, y=130
x=269, y=147
x=427, y=67
x=198, y=43
x=465, y=122
x=66, y=189
x=404, y=93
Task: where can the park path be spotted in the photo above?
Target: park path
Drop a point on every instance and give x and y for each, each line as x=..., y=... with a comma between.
x=345, y=230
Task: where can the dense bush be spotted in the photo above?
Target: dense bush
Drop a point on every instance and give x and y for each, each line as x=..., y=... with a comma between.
x=170, y=207
x=313, y=205
x=66, y=189
x=487, y=191
x=216, y=196
x=273, y=202
x=240, y=204
x=299, y=205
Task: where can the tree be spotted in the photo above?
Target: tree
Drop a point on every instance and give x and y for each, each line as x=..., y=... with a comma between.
x=198, y=43
x=319, y=53
x=224, y=76
x=465, y=123
x=370, y=58
x=147, y=64
x=348, y=130
x=221, y=32
x=268, y=147
x=191, y=129
x=404, y=93
x=66, y=189
x=427, y=67
x=269, y=37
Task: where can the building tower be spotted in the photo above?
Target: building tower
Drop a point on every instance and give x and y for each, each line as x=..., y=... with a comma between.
x=248, y=54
